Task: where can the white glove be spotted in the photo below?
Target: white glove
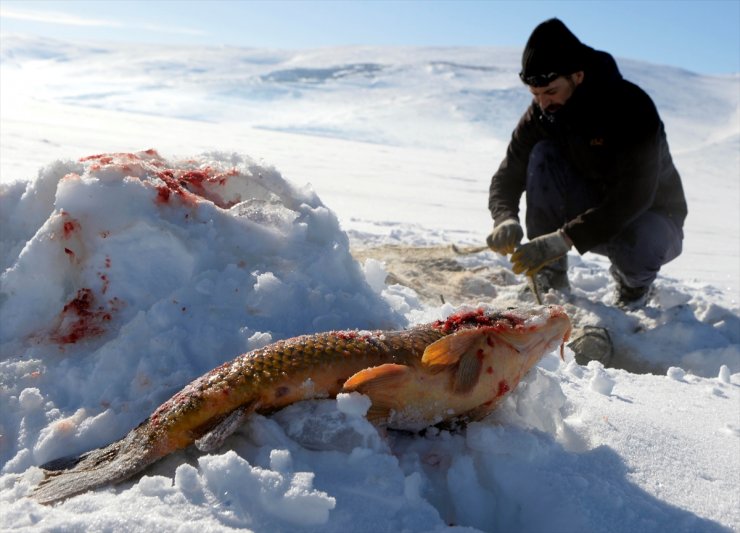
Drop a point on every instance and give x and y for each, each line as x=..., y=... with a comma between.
x=505, y=236
x=538, y=252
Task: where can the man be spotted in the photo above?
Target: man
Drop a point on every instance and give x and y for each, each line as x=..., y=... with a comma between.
x=591, y=154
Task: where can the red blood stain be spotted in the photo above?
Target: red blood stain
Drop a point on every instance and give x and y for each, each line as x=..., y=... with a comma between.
x=102, y=159
x=173, y=186
x=192, y=185
x=82, y=318
x=503, y=388
x=69, y=226
x=70, y=253
x=468, y=319
x=107, y=159
x=104, y=277
x=188, y=185
x=346, y=335
x=458, y=320
x=106, y=282
x=480, y=355
x=163, y=195
x=489, y=370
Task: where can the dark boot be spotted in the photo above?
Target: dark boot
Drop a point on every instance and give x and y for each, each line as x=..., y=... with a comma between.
x=627, y=297
x=631, y=298
x=553, y=276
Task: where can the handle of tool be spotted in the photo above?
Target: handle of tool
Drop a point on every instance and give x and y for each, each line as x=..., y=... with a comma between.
x=533, y=287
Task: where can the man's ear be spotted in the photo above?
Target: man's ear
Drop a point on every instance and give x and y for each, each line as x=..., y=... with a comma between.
x=577, y=77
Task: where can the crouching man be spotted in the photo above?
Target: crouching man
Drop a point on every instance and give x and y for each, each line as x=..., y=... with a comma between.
x=592, y=155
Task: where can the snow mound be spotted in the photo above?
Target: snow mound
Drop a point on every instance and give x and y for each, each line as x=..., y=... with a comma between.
x=127, y=275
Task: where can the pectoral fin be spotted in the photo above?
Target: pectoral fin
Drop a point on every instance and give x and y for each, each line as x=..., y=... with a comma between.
x=381, y=384
x=468, y=371
x=464, y=349
x=448, y=350
x=217, y=435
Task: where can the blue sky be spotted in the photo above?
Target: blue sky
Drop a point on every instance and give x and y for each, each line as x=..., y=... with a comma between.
x=702, y=36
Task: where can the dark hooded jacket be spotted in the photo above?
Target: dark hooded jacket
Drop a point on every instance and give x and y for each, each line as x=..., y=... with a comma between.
x=610, y=132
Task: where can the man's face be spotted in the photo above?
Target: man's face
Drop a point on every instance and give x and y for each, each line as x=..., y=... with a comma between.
x=553, y=96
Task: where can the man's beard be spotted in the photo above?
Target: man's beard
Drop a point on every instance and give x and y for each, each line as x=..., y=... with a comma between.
x=551, y=112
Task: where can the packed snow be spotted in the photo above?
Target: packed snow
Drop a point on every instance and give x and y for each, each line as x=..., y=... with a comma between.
x=163, y=211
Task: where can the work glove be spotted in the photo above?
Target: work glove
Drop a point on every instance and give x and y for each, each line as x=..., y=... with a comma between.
x=538, y=252
x=505, y=236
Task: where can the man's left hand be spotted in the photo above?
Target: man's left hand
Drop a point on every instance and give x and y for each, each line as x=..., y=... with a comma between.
x=538, y=252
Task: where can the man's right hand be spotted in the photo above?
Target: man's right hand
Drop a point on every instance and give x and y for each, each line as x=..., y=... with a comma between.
x=505, y=237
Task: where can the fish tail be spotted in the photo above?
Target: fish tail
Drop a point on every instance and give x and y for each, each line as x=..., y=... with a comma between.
x=195, y=414
x=109, y=465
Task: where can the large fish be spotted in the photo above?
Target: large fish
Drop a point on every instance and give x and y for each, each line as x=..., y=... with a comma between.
x=458, y=368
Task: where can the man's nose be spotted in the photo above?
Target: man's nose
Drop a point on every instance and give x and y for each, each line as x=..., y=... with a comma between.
x=544, y=101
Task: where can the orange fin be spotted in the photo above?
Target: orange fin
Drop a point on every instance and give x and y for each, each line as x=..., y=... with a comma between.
x=468, y=371
x=465, y=349
x=387, y=375
x=448, y=350
x=380, y=384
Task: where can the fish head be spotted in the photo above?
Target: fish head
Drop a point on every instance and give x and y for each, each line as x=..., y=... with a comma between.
x=524, y=329
x=498, y=346
x=481, y=357
x=533, y=330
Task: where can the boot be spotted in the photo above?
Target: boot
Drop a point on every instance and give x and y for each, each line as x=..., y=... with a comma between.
x=631, y=298
x=552, y=278
x=627, y=297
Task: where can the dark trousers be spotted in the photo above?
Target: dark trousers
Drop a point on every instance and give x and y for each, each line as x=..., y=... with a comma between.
x=556, y=194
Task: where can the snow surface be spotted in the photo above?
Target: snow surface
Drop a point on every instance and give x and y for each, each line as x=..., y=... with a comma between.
x=126, y=276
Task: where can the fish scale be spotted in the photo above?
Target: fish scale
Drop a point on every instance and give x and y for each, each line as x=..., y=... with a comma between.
x=378, y=363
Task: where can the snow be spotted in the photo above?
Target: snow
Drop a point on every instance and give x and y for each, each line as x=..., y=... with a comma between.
x=120, y=284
